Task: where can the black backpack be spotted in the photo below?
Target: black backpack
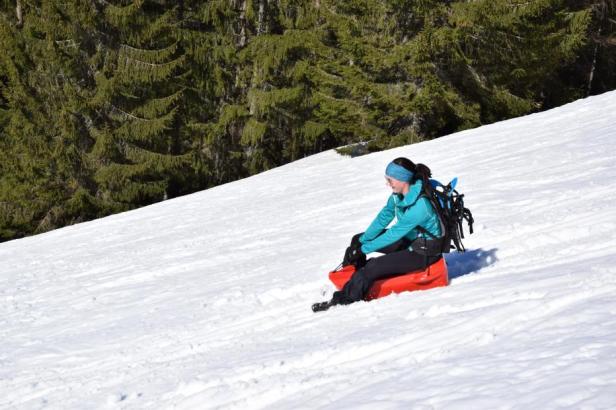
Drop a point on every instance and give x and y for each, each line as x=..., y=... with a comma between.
x=449, y=206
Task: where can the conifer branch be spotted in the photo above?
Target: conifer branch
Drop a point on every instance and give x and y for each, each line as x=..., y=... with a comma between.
x=67, y=43
x=125, y=114
x=161, y=53
x=345, y=100
x=121, y=14
x=335, y=76
x=142, y=63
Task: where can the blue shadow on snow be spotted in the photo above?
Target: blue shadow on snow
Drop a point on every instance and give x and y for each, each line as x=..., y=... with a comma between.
x=473, y=260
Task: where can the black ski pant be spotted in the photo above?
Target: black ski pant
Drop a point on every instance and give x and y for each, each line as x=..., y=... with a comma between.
x=398, y=259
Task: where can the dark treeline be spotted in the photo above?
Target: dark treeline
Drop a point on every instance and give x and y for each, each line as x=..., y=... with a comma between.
x=108, y=105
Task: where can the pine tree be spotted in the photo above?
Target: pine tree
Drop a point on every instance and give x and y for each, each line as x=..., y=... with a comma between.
x=304, y=88
x=44, y=183
x=595, y=68
x=212, y=35
x=138, y=148
x=507, y=54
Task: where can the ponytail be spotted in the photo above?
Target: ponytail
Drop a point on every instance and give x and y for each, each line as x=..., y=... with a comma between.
x=422, y=172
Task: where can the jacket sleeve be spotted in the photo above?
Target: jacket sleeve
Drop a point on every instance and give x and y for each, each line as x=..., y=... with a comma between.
x=414, y=216
x=385, y=216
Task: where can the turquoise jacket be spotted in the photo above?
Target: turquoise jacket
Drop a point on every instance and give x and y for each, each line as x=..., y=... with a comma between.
x=410, y=211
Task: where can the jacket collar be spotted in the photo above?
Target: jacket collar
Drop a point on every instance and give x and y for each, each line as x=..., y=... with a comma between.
x=411, y=197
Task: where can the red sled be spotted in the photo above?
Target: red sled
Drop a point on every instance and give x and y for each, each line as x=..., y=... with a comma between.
x=433, y=276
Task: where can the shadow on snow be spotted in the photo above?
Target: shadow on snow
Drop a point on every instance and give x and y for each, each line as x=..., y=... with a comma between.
x=473, y=260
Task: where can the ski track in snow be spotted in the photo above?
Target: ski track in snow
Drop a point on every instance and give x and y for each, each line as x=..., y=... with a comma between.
x=204, y=301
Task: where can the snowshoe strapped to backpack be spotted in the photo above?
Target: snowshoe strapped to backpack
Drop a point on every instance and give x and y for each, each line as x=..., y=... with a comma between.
x=449, y=206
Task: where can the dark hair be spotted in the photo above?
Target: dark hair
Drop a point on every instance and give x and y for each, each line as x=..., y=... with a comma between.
x=420, y=171
x=405, y=163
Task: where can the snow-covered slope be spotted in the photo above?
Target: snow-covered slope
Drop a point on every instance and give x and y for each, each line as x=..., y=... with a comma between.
x=204, y=301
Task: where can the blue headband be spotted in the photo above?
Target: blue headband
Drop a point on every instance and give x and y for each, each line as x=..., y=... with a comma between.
x=398, y=172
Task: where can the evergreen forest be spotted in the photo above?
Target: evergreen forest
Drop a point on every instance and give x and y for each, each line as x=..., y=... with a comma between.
x=109, y=105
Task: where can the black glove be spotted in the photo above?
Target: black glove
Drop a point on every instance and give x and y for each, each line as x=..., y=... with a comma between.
x=346, y=260
x=355, y=256
x=355, y=243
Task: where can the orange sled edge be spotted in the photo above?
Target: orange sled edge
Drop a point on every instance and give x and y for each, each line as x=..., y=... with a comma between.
x=435, y=275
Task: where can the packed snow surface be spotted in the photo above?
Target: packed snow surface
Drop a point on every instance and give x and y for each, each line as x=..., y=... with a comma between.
x=204, y=301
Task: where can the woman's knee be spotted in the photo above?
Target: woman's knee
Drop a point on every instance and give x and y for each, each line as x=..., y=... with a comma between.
x=372, y=270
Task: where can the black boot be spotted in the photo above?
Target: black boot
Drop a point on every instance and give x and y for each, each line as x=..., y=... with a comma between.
x=322, y=306
x=338, y=298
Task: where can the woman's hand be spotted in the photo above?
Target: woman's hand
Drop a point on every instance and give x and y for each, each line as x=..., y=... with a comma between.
x=354, y=256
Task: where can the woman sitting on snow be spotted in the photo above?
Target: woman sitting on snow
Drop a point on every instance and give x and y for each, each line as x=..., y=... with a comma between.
x=412, y=243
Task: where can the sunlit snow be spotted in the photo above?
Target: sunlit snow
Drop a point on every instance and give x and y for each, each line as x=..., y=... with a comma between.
x=204, y=301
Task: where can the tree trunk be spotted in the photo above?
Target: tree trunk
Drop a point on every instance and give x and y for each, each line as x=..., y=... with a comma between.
x=603, y=10
x=19, y=13
x=261, y=28
x=242, y=40
x=592, y=69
